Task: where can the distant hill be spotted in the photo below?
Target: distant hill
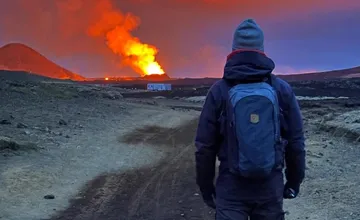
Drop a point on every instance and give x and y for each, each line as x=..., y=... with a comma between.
x=19, y=57
x=317, y=76
x=334, y=74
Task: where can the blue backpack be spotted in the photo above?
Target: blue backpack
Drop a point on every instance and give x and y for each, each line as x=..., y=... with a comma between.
x=253, y=115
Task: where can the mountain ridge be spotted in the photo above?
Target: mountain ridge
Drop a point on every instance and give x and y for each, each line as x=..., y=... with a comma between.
x=20, y=57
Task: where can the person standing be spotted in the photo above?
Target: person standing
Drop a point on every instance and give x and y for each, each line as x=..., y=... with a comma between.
x=251, y=122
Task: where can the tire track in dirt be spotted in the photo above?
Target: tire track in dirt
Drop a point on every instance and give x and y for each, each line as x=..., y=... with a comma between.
x=164, y=191
x=163, y=186
x=158, y=193
x=134, y=205
x=101, y=199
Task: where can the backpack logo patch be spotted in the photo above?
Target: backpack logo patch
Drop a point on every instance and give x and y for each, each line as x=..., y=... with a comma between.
x=254, y=118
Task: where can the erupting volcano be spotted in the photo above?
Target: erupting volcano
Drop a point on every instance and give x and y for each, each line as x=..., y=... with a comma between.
x=116, y=28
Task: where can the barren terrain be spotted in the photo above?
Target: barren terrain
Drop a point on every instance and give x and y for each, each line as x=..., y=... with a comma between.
x=71, y=151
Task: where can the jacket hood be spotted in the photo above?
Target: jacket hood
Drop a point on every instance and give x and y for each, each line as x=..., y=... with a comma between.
x=247, y=65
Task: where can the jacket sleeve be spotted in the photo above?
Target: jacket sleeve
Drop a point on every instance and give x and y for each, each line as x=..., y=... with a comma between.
x=207, y=145
x=295, y=150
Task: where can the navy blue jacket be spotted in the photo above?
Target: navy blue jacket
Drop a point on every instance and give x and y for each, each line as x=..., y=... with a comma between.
x=210, y=141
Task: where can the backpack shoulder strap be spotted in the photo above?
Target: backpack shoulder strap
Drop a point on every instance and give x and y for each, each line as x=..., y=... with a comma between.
x=271, y=80
x=225, y=87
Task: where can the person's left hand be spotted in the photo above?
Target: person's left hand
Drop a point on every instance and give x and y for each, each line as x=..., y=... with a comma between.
x=209, y=198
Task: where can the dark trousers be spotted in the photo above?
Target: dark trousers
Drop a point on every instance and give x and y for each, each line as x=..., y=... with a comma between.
x=265, y=210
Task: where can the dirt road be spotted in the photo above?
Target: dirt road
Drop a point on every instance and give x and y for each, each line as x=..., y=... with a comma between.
x=74, y=138
x=165, y=191
x=168, y=191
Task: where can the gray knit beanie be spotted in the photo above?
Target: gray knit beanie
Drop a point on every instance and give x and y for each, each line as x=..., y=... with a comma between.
x=248, y=35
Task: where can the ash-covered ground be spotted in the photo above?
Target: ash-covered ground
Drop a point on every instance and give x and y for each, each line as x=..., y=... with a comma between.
x=77, y=151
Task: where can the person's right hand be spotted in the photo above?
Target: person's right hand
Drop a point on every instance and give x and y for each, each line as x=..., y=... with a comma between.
x=290, y=192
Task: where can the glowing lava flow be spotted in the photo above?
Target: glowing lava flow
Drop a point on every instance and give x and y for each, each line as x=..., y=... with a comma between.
x=153, y=68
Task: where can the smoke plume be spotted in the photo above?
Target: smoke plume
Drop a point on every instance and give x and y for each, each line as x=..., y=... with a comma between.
x=116, y=27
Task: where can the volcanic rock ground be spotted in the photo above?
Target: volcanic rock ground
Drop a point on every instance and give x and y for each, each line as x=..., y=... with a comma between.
x=71, y=151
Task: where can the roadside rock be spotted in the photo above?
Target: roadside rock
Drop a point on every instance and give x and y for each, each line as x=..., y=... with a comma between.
x=99, y=92
x=9, y=144
x=5, y=122
x=21, y=125
x=196, y=99
x=16, y=84
x=159, y=97
x=111, y=95
x=88, y=91
x=345, y=125
x=62, y=122
x=49, y=196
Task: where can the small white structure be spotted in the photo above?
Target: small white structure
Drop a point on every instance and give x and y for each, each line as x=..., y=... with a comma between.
x=158, y=86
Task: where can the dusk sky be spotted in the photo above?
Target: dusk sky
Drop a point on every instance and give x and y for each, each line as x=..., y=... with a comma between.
x=193, y=36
